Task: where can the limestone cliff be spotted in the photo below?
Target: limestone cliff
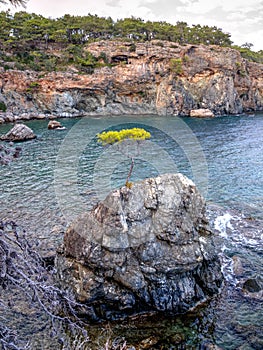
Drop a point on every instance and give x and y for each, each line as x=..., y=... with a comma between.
x=153, y=77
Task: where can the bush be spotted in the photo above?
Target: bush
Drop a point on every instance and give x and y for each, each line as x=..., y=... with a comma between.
x=132, y=48
x=176, y=65
x=2, y=106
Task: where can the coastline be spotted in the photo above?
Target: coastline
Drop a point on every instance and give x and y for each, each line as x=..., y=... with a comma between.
x=7, y=117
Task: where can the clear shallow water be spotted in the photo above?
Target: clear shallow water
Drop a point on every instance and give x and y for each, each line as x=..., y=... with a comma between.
x=223, y=156
x=62, y=173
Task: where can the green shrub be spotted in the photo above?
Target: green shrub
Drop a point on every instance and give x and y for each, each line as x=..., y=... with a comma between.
x=159, y=43
x=103, y=57
x=33, y=86
x=132, y=48
x=175, y=65
x=2, y=106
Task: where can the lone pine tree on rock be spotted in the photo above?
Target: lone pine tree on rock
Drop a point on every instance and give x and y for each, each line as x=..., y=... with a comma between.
x=124, y=139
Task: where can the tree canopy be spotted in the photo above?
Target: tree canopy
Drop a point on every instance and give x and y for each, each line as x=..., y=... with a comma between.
x=81, y=29
x=111, y=137
x=123, y=138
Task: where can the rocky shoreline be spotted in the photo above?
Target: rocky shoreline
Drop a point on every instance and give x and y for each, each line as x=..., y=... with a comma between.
x=13, y=118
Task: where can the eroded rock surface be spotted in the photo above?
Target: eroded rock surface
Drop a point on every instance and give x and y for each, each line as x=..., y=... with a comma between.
x=19, y=132
x=148, y=248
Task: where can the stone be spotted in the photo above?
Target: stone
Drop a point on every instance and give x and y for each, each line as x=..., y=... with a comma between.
x=53, y=124
x=237, y=266
x=253, y=288
x=201, y=113
x=19, y=132
x=253, y=285
x=144, y=248
x=211, y=78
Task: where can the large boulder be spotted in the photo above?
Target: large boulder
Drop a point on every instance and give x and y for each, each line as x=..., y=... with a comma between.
x=201, y=113
x=144, y=248
x=19, y=132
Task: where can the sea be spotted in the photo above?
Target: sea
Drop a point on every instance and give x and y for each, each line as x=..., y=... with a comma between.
x=63, y=173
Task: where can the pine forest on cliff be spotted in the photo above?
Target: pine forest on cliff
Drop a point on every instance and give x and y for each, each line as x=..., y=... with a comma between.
x=31, y=41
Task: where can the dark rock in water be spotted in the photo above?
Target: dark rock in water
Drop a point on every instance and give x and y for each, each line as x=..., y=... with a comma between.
x=253, y=285
x=19, y=132
x=253, y=288
x=148, y=248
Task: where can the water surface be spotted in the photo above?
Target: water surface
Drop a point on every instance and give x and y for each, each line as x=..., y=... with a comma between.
x=62, y=173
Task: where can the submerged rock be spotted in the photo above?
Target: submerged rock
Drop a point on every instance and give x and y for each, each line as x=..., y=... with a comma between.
x=147, y=248
x=253, y=288
x=19, y=132
x=8, y=154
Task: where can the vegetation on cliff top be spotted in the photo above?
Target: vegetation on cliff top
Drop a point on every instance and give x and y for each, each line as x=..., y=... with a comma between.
x=31, y=41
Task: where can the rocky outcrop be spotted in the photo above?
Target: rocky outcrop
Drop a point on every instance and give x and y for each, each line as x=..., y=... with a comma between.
x=54, y=124
x=144, y=248
x=19, y=132
x=201, y=113
x=157, y=78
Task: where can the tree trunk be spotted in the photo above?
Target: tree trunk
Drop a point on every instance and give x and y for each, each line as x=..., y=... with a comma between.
x=127, y=183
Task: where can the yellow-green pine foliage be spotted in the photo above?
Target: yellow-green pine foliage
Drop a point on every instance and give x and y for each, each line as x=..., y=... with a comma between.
x=111, y=137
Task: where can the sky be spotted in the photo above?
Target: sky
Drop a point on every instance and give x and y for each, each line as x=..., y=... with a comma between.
x=243, y=19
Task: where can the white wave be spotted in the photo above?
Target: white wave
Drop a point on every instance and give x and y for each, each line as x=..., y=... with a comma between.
x=222, y=223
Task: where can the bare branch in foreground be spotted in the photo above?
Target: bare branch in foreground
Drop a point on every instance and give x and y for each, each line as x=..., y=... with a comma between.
x=27, y=287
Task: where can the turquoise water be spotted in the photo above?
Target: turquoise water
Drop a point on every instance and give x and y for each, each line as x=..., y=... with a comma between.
x=64, y=172
x=223, y=156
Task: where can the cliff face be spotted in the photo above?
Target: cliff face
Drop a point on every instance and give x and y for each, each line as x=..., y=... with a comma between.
x=155, y=77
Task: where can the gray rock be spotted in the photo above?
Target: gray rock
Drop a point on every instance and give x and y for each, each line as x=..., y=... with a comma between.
x=238, y=269
x=19, y=132
x=148, y=248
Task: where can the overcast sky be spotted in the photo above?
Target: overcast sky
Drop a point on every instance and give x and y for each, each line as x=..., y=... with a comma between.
x=243, y=19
